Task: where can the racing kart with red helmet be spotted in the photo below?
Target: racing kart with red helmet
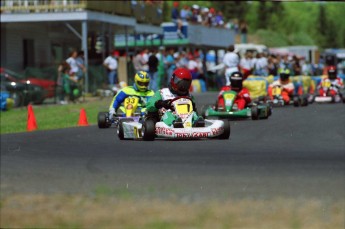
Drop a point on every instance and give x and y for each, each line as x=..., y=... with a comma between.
x=175, y=116
x=331, y=89
x=228, y=105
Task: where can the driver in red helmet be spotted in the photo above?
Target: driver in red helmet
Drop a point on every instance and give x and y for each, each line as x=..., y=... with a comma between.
x=243, y=97
x=179, y=85
x=331, y=85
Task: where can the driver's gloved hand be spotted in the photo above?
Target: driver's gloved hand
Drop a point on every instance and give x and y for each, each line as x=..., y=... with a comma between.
x=162, y=104
x=111, y=113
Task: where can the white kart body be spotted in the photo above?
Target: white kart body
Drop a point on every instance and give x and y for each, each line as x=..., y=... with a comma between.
x=323, y=99
x=213, y=128
x=184, y=109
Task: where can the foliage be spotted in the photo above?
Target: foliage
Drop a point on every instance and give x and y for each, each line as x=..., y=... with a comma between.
x=289, y=23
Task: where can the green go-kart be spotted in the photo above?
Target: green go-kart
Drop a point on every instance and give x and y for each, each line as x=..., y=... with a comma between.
x=256, y=110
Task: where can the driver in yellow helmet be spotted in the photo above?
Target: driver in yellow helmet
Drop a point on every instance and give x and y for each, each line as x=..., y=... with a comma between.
x=139, y=89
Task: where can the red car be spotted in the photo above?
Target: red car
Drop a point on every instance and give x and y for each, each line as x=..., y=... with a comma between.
x=48, y=86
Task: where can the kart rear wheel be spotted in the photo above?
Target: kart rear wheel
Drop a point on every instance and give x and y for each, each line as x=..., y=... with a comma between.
x=304, y=102
x=148, y=130
x=102, y=120
x=255, y=112
x=203, y=111
x=120, y=132
x=226, y=133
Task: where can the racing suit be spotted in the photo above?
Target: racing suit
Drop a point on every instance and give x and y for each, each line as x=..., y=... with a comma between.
x=288, y=89
x=242, y=99
x=169, y=117
x=127, y=92
x=330, y=86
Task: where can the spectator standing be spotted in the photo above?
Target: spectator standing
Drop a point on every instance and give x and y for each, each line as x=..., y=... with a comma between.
x=231, y=61
x=161, y=65
x=81, y=65
x=72, y=61
x=67, y=82
x=111, y=64
x=153, y=70
x=246, y=64
x=261, y=65
x=170, y=64
x=243, y=30
x=219, y=21
x=185, y=13
x=176, y=18
x=296, y=67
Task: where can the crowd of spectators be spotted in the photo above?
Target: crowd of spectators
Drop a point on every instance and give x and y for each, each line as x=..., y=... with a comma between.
x=263, y=64
x=196, y=14
x=161, y=63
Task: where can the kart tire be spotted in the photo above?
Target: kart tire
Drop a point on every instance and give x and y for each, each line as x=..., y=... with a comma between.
x=203, y=111
x=255, y=112
x=120, y=132
x=102, y=120
x=304, y=102
x=296, y=101
x=226, y=133
x=148, y=130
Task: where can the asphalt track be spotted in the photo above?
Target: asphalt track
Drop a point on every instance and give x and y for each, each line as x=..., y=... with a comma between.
x=296, y=153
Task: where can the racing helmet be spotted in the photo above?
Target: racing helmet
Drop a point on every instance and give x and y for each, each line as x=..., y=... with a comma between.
x=236, y=80
x=141, y=81
x=180, y=81
x=332, y=72
x=284, y=74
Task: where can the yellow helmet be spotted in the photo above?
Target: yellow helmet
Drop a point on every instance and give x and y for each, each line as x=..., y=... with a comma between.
x=141, y=81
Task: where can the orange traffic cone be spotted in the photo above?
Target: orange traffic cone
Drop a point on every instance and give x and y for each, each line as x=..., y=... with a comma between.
x=31, y=125
x=82, y=118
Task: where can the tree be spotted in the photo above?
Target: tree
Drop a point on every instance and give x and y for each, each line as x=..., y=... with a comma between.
x=262, y=13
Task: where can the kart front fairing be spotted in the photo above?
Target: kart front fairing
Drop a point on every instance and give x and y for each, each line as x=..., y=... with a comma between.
x=183, y=108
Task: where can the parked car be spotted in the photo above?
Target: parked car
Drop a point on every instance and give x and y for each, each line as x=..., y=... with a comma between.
x=26, y=90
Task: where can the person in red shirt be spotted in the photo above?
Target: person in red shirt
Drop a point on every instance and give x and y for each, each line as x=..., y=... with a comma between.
x=236, y=84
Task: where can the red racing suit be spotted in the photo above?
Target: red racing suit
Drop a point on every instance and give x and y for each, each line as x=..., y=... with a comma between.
x=330, y=87
x=242, y=99
x=287, y=91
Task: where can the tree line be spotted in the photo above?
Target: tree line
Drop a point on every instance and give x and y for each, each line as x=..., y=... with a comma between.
x=283, y=23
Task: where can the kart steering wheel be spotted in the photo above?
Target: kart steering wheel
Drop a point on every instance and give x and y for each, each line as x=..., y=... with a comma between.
x=170, y=101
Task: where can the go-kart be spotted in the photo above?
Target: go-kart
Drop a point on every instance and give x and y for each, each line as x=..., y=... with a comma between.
x=130, y=109
x=229, y=110
x=327, y=97
x=277, y=98
x=182, y=107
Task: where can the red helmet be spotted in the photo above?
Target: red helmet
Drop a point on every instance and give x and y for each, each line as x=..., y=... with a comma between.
x=332, y=72
x=180, y=81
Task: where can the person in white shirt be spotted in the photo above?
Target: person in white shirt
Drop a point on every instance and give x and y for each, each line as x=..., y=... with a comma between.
x=72, y=61
x=246, y=64
x=231, y=61
x=111, y=64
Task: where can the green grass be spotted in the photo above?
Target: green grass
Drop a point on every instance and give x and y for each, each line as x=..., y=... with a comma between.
x=52, y=116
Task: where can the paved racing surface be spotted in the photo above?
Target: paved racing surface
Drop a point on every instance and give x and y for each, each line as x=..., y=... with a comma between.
x=296, y=153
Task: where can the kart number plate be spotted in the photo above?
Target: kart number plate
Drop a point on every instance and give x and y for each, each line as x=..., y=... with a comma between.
x=276, y=91
x=229, y=96
x=326, y=84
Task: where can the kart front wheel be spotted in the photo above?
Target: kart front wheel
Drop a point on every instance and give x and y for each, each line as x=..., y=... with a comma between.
x=103, y=120
x=255, y=112
x=226, y=133
x=120, y=132
x=148, y=130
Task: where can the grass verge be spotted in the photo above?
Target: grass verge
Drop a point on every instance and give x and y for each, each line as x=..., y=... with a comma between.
x=52, y=116
x=77, y=211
